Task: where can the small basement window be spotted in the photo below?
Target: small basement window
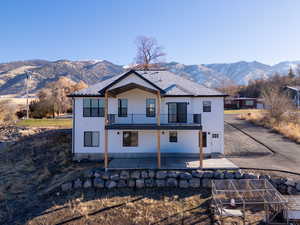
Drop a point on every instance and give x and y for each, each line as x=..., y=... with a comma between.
x=91, y=138
x=173, y=136
x=130, y=139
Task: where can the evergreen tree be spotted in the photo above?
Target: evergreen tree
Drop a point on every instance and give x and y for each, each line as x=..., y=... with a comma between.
x=291, y=74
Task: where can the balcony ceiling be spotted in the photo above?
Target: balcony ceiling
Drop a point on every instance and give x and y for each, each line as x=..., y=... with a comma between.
x=115, y=91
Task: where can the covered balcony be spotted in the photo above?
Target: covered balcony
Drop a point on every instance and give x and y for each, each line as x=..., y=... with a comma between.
x=146, y=122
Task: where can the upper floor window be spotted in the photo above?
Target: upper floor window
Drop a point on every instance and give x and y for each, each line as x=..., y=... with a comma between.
x=91, y=138
x=150, y=107
x=122, y=107
x=206, y=106
x=93, y=107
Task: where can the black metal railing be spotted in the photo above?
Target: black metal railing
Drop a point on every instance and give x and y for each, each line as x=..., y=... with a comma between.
x=133, y=118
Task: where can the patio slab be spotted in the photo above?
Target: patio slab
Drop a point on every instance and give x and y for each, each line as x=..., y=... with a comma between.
x=171, y=163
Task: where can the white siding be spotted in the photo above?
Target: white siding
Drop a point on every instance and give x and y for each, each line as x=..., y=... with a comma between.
x=187, y=140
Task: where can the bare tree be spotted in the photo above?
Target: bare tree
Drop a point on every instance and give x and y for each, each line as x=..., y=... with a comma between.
x=148, y=52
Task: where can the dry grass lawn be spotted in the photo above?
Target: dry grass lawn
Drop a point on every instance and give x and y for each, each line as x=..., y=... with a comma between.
x=128, y=206
x=58, y=123
x=31, y=166
x=242, y=111
x=288, y=127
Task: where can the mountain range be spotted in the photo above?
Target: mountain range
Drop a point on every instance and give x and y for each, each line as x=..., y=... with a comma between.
x=13, y=74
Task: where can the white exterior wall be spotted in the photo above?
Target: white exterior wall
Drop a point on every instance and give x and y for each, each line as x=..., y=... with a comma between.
x=212, y=122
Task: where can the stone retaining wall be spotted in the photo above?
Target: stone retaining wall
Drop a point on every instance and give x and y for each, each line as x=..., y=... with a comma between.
x=162, y=178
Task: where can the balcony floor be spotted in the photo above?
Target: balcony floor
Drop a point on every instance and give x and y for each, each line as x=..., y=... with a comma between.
x=154, y=127
x=171, y=163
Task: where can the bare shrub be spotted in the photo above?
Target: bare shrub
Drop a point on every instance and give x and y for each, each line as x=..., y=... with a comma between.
x=78, y=207
x=7, y=112
x=277, y=103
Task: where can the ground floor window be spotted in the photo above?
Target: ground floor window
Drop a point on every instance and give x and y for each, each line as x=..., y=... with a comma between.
x=204, y=140
x=173, y=136
x=91, y=138
x=130, y=138
x=215, y=135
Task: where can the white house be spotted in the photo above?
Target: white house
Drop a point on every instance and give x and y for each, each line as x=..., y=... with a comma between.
x=149, y=114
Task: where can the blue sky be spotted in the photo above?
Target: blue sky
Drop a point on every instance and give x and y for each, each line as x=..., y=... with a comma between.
x=191, y=31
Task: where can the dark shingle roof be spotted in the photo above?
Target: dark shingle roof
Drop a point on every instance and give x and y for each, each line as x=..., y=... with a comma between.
x=169, y=82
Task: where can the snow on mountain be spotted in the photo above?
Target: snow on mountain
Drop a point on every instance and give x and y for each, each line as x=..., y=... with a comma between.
x=198, y=73
x=283, y=67
x=241, y=72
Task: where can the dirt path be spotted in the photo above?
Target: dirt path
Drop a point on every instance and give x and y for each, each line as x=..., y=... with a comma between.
x=266, y=149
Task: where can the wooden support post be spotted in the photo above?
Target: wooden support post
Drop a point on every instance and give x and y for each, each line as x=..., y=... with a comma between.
x=201, y=155
x=105, y=130
x=158, y=149
x=158, y=131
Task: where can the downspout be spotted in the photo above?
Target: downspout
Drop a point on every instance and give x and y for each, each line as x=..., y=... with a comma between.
x=73, y=125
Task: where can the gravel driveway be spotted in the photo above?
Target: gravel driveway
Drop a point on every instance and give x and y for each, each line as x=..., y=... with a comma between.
x=272, y=150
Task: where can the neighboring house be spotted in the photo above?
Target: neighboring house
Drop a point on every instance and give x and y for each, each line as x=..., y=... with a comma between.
x=149, y=114
x=242, y=103
x=294, y=93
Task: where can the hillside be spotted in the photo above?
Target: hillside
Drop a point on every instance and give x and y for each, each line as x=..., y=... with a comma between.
x=13, y=75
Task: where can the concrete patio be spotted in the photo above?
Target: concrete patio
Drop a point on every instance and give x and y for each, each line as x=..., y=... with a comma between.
x=171, y=163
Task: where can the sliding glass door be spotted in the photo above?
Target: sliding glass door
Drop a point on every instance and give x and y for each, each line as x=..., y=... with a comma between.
x=177, y=112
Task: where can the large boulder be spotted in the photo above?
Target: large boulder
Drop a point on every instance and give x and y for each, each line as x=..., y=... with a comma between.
x=238, y=175
x=185, y=176
x=206, y=183
x=144, y=174
x=140, y=183
x=194, y=182
x=160, y=183
x=135, y=174
x=149, y=182
x=151, y=173
x=66, y=186
x=264, y=177
x=208, y=174
x=88, y=174
x=131, y=183
x=290, y=182
x=218, y=175
x=110, y=184
x=161, y=174
x=228, y=175
x=122, y=184
x=173, y=174
x=105, y=175
x=78, y=183
x=124, y=174
x=183, y=184
x=172, y=182
x=98, y=173
x=298, y=186
x=250, y=176
x=115, y=176
x=98, y=182
x=197, y=173
x=87, y=183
